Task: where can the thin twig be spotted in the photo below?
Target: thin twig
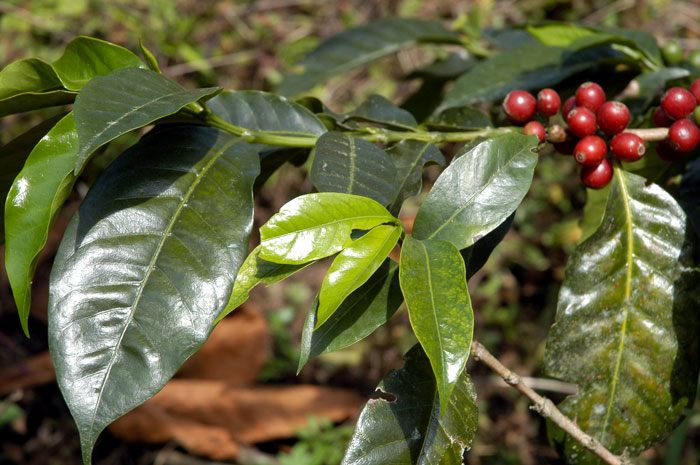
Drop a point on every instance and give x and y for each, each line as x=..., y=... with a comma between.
x=546, y=407
x=556, y=134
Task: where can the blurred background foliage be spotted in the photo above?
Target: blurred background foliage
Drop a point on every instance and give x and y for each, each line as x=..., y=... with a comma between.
x=250, y=45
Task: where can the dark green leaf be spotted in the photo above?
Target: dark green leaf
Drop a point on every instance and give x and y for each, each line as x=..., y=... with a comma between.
x=650, y=84
x=377, y=109
x=478, y=191
x=528, y=66
x=32, y=205
x=30, y=84
x=353, y=266
x=87, y=57
x=593, y=211
x=353, y=166
x=410, y=157
x=506, y=39
x=362, y=45
x=460, y=119
x=476, y=256
x=627, y=323
x=454, y=65
x=434, y=285
x=423, y=102
x=126, y=99
x=406, y=428
x=315, y=226
x=358, y=316
x=265, y=112
x=12, y=158
x=255, y=270
x=145, y=267
x=642, y=40
x=271, y=158
x=689, y=194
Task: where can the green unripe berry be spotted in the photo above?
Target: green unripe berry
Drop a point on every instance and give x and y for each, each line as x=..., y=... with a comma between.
x=672, y=52
x=694, y=58
x=696, y=114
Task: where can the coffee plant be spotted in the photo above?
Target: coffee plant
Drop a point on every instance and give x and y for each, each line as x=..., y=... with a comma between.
x=158, y=251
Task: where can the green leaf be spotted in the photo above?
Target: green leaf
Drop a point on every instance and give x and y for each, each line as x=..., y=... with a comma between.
x=30, y=84
x=150, y=58
x=351, y=165
x=126, y=99
x=87, y=57
x=255, y=270
x=593, y=211
x=358, y=316
x=12, y=158
x=478, y=191
x=478, y=254
x=353, y=266
x=627, y=324
x=642, y=41
x=459, y=119
x=689, y=194
x=528, y=66
x=262, y=111
x=362, y=45
x=434, y=285
x=33, y=203
x=315, y=226
x=162, y=234
x=377, y=109
x=454, y=65
x=409, y=430
x=559, y=34
x=410, y=157
x=649, y=84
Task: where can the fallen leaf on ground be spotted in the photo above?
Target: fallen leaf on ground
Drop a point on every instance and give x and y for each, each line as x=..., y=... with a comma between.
x=35, y=371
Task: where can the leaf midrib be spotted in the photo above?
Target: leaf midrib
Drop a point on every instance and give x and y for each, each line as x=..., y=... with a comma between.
x=151, y=267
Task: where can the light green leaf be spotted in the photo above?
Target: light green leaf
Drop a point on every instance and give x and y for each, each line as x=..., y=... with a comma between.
x=559, y=34
x=255, y=270
x=433, y=282
x=126, y=99
x=351, y=165
x=410, y=430
x=315, y=226
x=362, y=45
x=162, y=240
x=593, y=211
x=87, y=57
x=32, y=205
x=478, y=191
x=150, y=58
x=30, y=84
x=353, y=267
x=410, y=157
x=627, y=323
x=358, y=316
x=377, y=109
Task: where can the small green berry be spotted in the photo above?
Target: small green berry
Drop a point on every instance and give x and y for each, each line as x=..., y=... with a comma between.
x=672, y=52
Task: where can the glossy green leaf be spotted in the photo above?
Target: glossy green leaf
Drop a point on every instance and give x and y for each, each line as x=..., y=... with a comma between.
x=528, y=66
x=127, y=99
x=315, y=226
x=353, y=266
x=649, y=85
x=478, y=191
x=559, y=34
x=593, y=211
x=30, y=84
x=350, y=165
x=627, y=323
x=689, y=194
x=377, y=109
x=33, y=203
x=362, y=45
x=357, y=317
x=478, y=254
x=433, y=282
x=454, y=65
x=403, y=425
x=255, y=270
x=410, y=157
x=265, y=112
x=642, y=40
x=459, y=119
x=87, y=57
x=12, y=158
x=162, y=233
x=149, y=57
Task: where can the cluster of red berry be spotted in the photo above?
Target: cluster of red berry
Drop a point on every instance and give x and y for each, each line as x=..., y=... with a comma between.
x=588, y=111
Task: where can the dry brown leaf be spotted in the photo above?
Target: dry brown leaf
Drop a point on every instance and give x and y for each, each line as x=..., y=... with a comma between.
x=36, y=371
x=186, y=409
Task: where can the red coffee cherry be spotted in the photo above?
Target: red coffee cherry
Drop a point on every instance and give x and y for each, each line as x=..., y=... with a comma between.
x=597, y=176
x=661, y=119
x=548, y=102
x=535, y=128
x=590, y=150
x=613, y=117
x=678, y=103
x=695, y=89
x=627, y=147
x=668, y=153
x=590, y=95
x=519, y=106
x=582, y=122
x=569, y=105
x=683, y=135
